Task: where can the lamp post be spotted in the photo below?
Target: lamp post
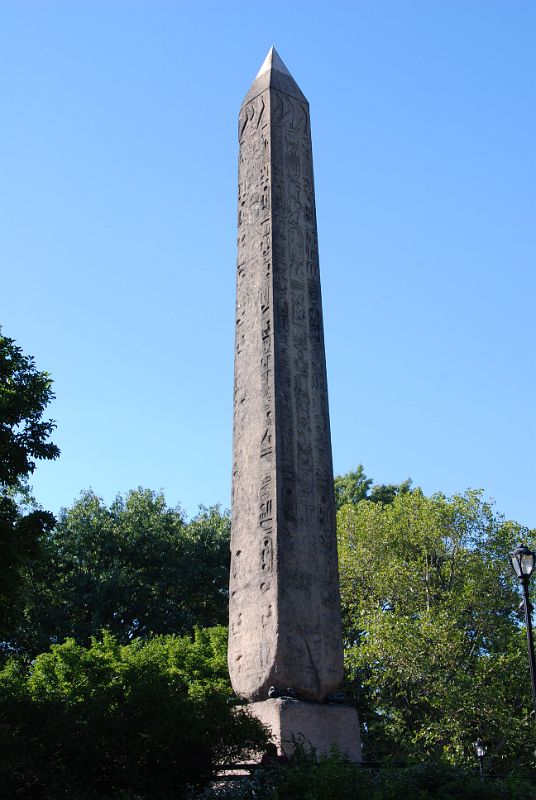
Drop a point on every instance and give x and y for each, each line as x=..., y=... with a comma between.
x=480, y=750
x=522, y=560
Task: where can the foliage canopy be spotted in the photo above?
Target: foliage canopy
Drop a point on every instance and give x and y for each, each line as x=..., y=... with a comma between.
x=24, y=437
x=354, y=486
x=135, y=568
x=434, y=647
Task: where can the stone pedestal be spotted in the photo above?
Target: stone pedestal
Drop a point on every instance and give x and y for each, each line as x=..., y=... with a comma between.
x=316, y=726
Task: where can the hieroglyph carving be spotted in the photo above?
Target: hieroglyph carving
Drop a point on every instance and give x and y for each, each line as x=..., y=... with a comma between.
x=284, y=599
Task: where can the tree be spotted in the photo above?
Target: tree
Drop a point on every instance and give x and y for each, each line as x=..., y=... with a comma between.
x=134, y=568
x=149, y=719
x=354, y=486
x=24, y=438
x=434, y=646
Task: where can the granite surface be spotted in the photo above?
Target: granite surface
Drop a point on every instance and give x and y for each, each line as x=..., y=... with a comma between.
x=285, y=625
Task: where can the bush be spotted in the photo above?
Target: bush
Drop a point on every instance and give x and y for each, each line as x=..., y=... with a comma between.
x=146, y=720
x=334, y=778
x=437, y=781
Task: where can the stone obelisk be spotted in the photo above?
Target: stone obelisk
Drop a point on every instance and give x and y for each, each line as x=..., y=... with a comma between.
x=285, y=635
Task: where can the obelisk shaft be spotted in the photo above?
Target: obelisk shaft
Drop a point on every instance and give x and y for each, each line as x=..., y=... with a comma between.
x=285, y=627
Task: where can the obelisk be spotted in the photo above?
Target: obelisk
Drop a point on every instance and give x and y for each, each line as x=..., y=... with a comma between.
x=285, y=636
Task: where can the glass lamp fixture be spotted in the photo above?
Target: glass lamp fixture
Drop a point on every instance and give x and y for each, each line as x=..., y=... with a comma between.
x=480, y=748
x=522, y=560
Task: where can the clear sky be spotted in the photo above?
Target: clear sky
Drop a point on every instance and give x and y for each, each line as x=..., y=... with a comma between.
x=118, y=158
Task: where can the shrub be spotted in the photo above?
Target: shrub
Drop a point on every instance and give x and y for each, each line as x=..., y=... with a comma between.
x=334, y=778
x=145, y=720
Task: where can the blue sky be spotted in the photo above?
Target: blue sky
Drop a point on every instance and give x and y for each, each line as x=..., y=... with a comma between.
x=118, y=156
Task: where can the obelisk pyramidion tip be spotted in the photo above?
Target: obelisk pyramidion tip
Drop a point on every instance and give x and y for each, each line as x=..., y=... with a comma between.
x=272, y=62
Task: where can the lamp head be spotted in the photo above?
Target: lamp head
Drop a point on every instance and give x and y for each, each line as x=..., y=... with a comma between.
x=480, y=748
x=522, y=560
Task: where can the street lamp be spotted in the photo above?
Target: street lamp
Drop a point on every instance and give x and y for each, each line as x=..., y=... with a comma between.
x=522, y=560
x=480, y=750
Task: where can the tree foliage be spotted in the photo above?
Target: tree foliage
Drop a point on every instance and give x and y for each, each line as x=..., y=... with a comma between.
x=135, y=567
x=24, y=438
x=434, y=648
x=354, y=486
x=147, y=720
x=24, y=394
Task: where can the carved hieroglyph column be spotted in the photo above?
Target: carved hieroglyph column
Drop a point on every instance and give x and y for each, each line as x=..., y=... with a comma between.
x=285, y=626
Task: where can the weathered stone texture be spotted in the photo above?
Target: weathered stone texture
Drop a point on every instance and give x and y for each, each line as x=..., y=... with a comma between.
x=285, y=627
x=314, y=726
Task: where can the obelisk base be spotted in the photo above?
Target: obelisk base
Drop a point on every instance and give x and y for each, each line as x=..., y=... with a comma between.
x=316, y=726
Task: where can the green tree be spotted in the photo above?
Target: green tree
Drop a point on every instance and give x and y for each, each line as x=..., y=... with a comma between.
x=24, y=438
x=148, y=720
x=354, y=486
x=434, y=647
x=135, y=567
